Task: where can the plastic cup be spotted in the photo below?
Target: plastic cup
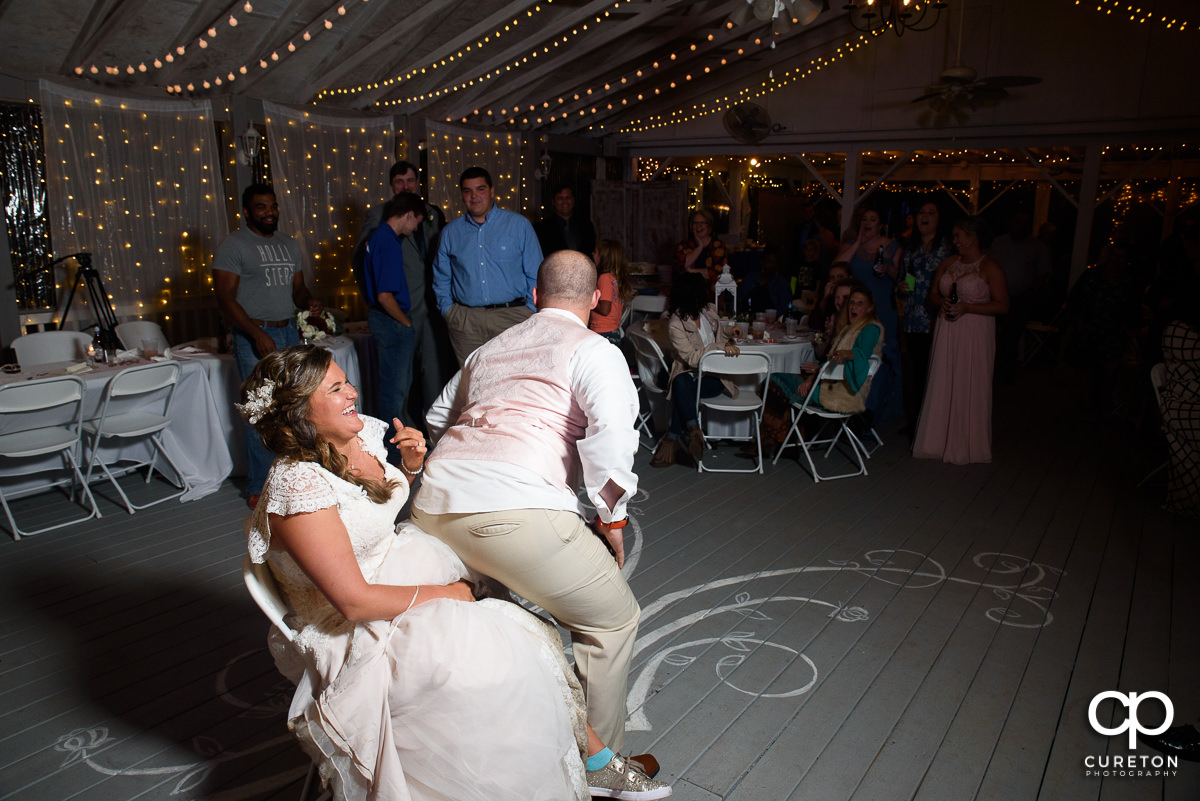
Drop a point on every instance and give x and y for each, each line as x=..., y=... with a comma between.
x=149, y=348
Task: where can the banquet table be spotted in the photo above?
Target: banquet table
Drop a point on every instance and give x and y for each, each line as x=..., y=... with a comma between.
x=194, y=439
x=785, y=356
x=225, y=381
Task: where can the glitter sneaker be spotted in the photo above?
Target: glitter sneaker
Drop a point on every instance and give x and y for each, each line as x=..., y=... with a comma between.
x=624, y=779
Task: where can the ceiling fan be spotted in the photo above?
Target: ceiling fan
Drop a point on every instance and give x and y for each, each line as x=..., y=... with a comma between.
x=960, y=88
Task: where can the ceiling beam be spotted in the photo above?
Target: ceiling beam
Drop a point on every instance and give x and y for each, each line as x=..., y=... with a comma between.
x=271, y=40
x=338, y=54
x=199, y=20
x=103, y=22
x=413, y=23
x=614, y=67
x=557, y=63
x=791, y=48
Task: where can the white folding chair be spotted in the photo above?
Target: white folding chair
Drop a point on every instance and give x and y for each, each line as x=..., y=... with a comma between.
x=40, y=418
x=650, y=379
x=643, y=307
x=265, y=593
x=133, y=333
x=129, y=411
x=47, y=347
x=749, y=403
x=858, y=451
x=1158, y=378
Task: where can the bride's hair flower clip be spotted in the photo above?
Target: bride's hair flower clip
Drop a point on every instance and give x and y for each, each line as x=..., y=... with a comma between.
x=258, y=402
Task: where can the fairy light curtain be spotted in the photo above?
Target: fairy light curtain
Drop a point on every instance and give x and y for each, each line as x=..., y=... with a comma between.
x=134, y=182
x=327, y=173
x=453, y=148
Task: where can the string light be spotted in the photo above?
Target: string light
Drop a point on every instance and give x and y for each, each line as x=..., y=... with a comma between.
x=1136, y=14
x=771, y=84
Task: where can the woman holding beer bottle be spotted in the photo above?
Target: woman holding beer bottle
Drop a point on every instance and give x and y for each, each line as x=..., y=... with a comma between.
x=970, y=290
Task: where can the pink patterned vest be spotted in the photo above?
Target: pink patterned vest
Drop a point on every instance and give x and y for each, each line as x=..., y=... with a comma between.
x=519, y=407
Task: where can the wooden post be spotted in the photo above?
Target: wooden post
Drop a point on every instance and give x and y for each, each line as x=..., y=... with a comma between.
x=850, y=187
x=1089, y=185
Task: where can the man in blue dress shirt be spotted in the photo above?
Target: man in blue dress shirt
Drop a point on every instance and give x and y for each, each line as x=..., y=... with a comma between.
x=486, y=267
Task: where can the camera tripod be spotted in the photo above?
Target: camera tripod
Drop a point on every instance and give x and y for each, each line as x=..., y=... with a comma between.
x=106, y=318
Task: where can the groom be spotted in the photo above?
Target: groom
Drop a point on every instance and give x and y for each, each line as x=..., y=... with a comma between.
x=539, y=407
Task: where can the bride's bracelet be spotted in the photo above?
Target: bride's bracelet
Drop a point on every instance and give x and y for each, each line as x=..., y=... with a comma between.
x=414, y=599
x=411, y=473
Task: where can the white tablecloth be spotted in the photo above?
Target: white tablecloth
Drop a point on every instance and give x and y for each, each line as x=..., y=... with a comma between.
x=785, y=357
x=194, y=439
x=225, y=381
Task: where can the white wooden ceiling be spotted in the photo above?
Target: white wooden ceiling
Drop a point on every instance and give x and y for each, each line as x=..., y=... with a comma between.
x=639, y=68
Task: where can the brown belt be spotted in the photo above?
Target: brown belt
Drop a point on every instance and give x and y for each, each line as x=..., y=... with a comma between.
x=271, y=323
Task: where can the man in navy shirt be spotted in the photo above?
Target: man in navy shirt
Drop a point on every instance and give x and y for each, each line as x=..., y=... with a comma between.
x=389, y=301
x=486, y=267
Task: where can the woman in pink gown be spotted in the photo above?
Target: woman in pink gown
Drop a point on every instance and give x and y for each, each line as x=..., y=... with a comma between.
x=956, y=417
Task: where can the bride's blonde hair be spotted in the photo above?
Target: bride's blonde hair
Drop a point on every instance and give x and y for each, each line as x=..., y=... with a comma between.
x=276, y=398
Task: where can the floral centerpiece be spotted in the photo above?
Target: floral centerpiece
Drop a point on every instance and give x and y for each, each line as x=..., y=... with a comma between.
x=316, y=326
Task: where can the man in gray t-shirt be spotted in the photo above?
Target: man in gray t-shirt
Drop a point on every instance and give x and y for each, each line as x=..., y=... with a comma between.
x=259, y=284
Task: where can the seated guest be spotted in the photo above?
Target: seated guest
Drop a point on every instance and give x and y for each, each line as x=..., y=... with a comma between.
x=421, y=693
x=615, y=289
x=854, y=345
x=694, y=330
x=820, y=314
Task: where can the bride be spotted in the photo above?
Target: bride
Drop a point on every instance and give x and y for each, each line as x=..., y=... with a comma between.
x=418, y=691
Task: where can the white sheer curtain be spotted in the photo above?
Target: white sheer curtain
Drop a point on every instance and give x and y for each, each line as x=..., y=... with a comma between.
x=136, y=183
x=453, y=148
x=327, y=173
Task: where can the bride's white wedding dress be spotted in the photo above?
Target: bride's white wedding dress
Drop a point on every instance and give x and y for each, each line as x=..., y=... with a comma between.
x=450, y=700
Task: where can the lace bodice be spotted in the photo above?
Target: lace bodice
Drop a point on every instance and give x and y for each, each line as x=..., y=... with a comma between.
x=972, y=286
x=299, y=487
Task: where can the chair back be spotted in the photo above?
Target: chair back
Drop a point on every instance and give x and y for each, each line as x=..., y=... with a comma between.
x=134, y=382
x=132, y=334
x=651, y=365
x=47, y=347
x=742, y=364
x=26, y=405
x=265, y=592
x=645, y=306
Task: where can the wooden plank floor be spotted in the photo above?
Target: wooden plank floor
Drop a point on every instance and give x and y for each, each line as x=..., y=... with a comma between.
x=925, y=632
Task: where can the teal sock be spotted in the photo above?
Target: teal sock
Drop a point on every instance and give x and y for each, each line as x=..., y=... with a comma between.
x=600, y=759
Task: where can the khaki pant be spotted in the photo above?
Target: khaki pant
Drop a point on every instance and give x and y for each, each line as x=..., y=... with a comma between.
x=553, y=559
x=471, y=327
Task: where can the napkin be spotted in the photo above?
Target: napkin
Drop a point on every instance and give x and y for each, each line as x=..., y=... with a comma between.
x=81, y=367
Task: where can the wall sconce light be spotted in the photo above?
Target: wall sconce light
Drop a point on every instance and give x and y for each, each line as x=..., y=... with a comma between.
x=251, y=145
x=542, y=173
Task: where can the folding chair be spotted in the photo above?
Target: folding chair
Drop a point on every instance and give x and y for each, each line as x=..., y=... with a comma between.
x=48, y=347
x=265, y=593
x=643, y=307
x=650, y=379
x=119, y=419
x=1038, y=337
x=133, y=333
x=1158, y=378
x=858, y=451
x=747, y=402
x=55, y=407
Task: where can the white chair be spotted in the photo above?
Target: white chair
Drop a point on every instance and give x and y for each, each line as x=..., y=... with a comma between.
x=1158, y=378
x=747, y=402
x=47, y=347
x=133, y=333
x=265, y=593
x=55, y=407
x=651, y=378
x=128, y=412
x=858, y=451
x=643, y=307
